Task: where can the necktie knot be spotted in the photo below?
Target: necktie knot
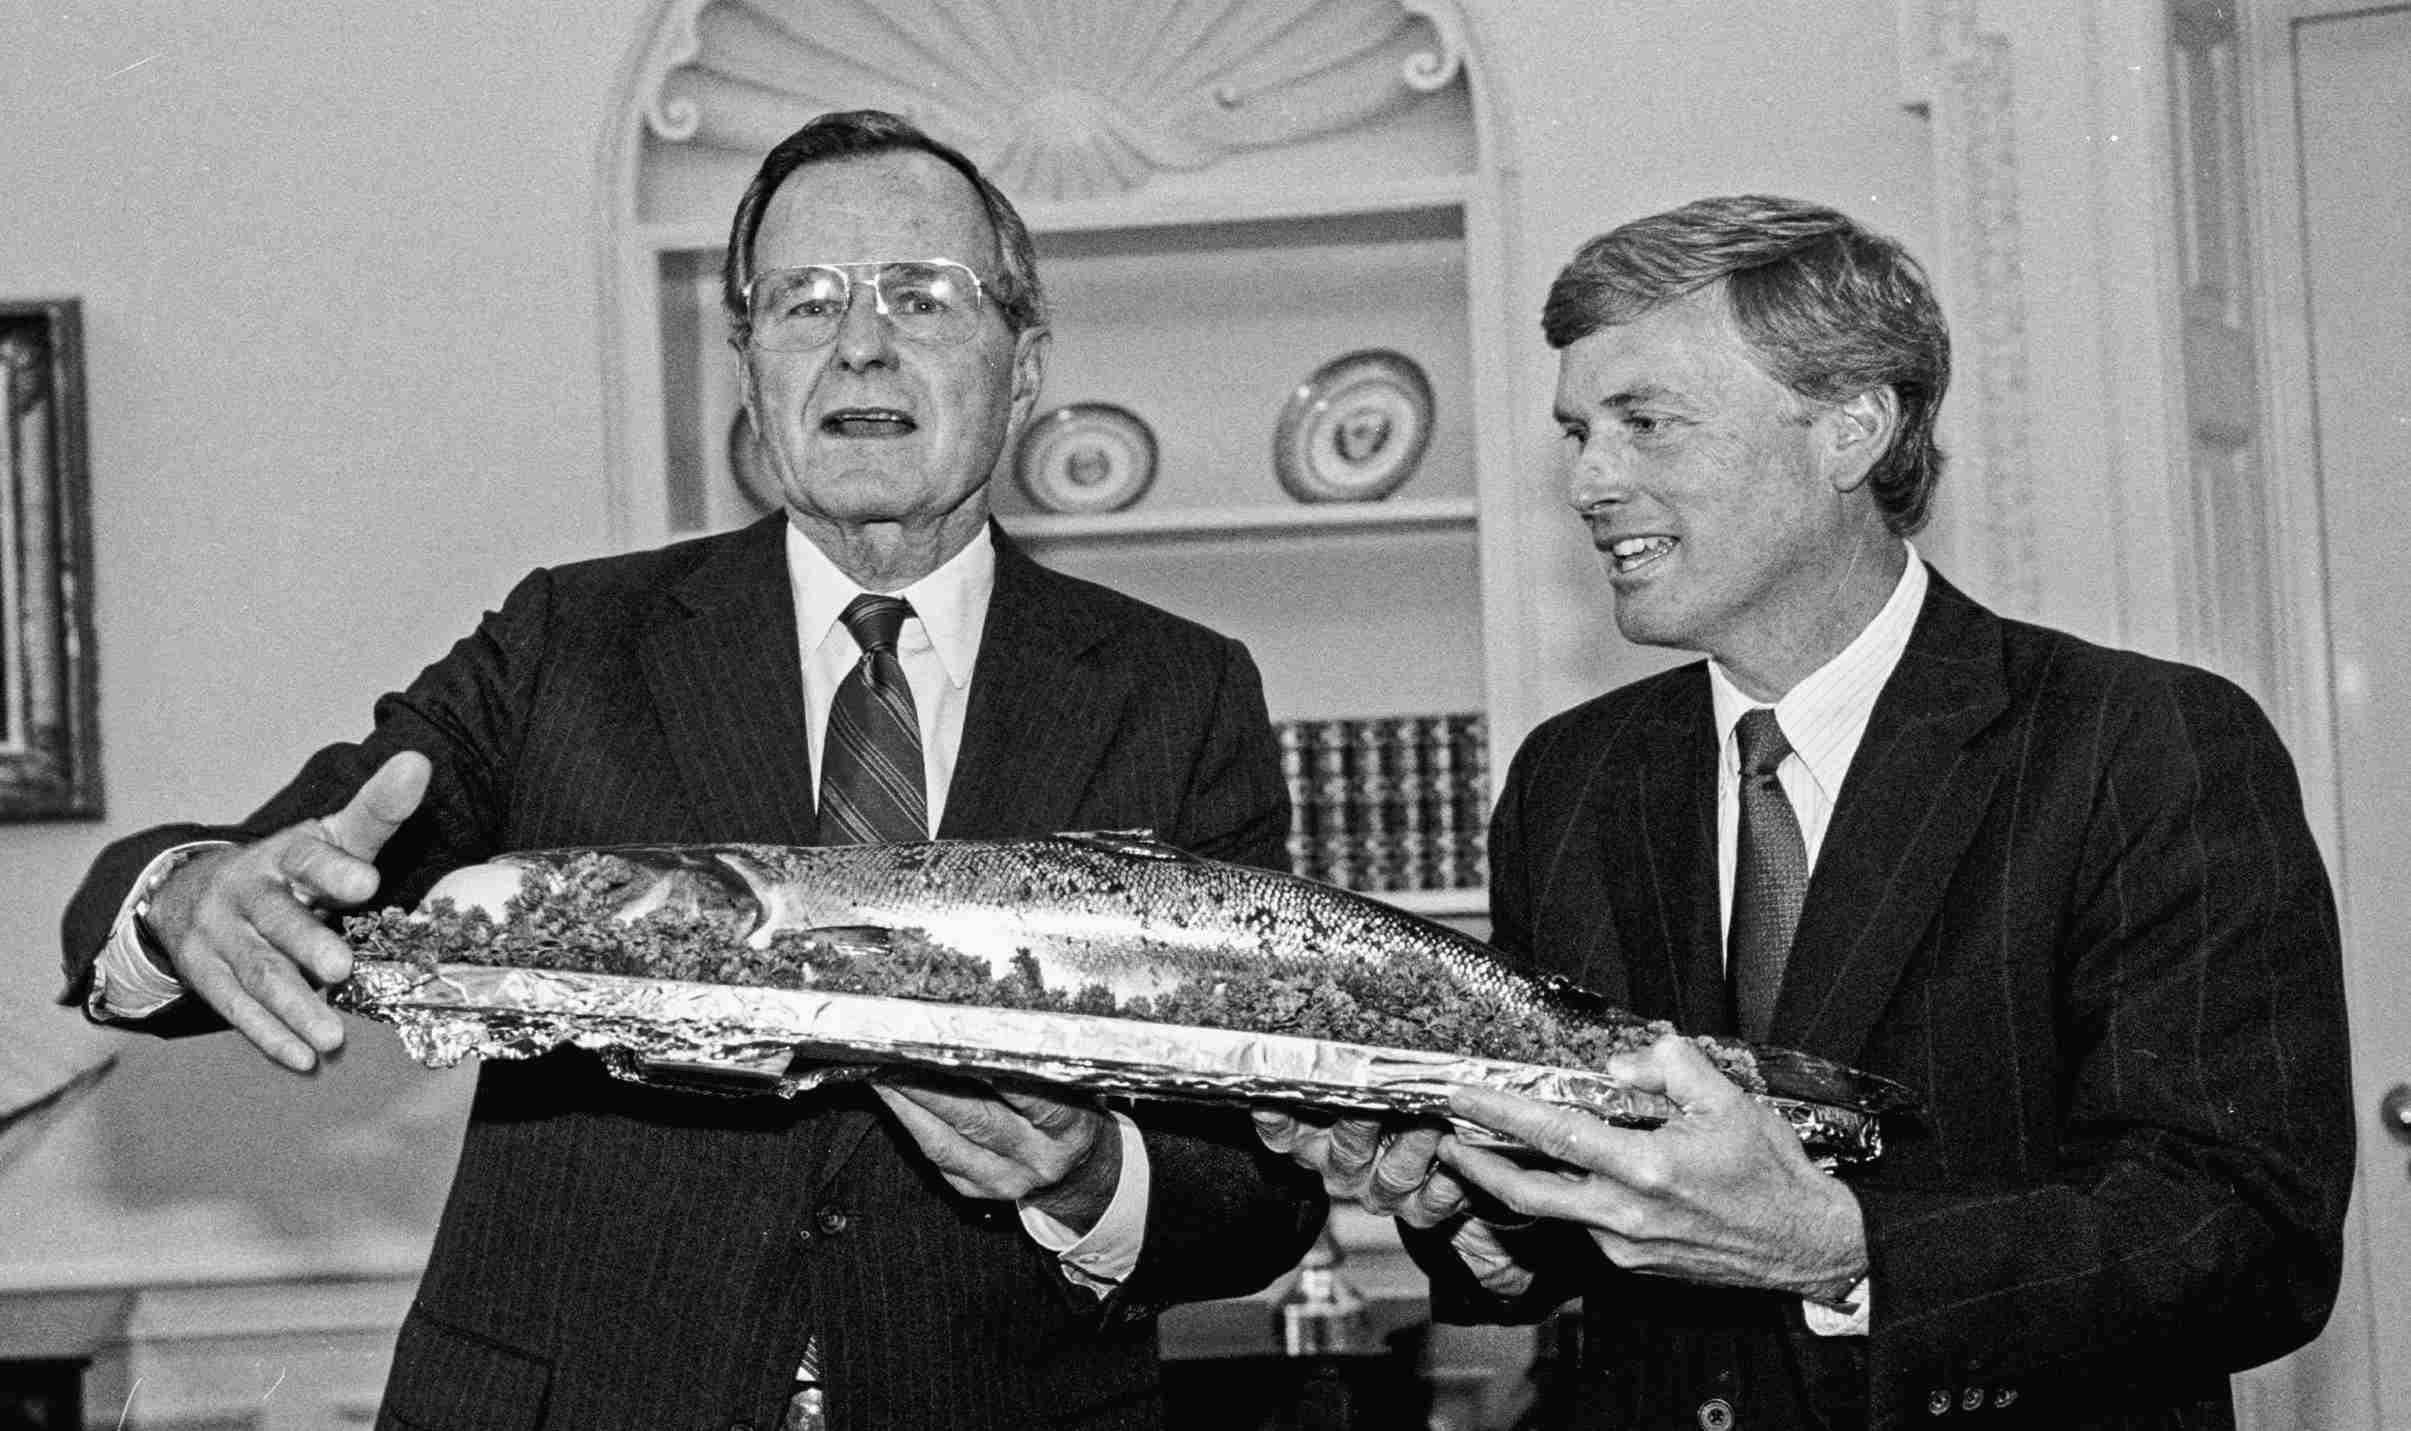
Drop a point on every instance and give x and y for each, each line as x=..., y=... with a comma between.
x=871, y=781
x=876, y=621
x=1762, y=744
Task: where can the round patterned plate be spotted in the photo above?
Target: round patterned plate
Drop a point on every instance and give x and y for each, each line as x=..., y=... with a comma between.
x=1354, y=430
x=1085, y=457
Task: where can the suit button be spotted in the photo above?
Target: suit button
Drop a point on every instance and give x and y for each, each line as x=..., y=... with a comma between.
x=832, y=1220
x=1973, y=1400
x=2004, y=1397
x=1938, y=1403
x=1716, y=1414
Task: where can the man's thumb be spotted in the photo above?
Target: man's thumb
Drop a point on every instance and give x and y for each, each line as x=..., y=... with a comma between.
x=1686, y=1075
x=380, y=805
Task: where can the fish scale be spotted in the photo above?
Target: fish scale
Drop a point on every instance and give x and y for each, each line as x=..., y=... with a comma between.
x=1122, y=910
x=1119, y=909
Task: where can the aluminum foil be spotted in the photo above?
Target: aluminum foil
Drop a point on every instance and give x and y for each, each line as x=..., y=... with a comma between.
x=749, y=1040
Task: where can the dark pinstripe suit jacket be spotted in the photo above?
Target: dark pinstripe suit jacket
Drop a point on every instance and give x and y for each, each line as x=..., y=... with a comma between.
x=616, y=1257
x=2069, y=897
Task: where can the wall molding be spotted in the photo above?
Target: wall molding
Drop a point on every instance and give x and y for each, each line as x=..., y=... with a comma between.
x=2071, y=499
x=1154, y=86
x=1961, y=76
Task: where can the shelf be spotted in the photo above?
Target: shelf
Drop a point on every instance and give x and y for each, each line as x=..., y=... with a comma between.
x=1442, y=192
x=1266, y=519
x=1405, y=196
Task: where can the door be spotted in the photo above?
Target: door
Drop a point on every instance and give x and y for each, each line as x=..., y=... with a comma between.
x=2335, y=115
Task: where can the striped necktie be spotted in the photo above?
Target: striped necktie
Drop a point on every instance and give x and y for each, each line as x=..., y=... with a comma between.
x=871, y=781
x=871, y=792
x=1770, y=876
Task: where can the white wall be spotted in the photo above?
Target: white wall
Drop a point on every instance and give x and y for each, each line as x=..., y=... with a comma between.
x=339, y=273
x=339, y=284
x=1626, y=107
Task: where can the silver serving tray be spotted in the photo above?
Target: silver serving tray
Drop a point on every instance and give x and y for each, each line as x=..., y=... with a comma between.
x=675, y=1033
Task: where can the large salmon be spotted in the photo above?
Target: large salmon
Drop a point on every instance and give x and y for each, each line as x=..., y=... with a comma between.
x=1120, y=910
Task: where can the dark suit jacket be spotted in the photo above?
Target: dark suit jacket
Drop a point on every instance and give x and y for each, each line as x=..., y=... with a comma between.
x=619, y=1257
x=2069, y=898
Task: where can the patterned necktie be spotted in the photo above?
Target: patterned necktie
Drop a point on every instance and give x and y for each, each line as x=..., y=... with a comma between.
x=871, y=792
x=1770, y=879
x=871, y=782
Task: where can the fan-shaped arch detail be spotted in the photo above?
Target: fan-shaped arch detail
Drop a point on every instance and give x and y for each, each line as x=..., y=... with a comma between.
x=1055, y=99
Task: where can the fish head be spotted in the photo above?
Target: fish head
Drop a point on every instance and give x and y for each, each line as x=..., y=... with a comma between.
x=695, y=884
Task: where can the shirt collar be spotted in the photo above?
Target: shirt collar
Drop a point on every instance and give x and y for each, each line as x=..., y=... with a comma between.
x=1824, y=715
x=950, y=604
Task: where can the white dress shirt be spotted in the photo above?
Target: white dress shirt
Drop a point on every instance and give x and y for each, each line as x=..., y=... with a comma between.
x=1823, y=717
x=937, y=648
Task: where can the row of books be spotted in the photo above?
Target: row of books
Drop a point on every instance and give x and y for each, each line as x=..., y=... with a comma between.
x=1388, y=803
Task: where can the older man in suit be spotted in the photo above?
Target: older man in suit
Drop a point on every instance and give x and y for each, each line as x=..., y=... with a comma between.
x=2065, y=894
x=621, y=1257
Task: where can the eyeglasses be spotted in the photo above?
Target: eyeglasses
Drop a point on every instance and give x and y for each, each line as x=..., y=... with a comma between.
x=929, y=300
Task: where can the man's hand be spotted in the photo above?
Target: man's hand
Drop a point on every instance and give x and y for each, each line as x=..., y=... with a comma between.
x=1483, y=1249
x=1389, y=1168
x=1062, y=1157
x=1723, y=1194
x=241, y=924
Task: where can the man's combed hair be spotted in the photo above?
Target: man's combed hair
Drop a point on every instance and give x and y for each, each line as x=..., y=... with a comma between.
x=1830, y=309
x=860, y=133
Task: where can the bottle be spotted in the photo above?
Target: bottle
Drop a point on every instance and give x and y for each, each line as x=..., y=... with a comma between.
x=1320, y=1313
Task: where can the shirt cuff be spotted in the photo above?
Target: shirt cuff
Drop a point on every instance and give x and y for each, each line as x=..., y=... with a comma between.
x=1104, y=1259
x=1847, y=1318
x=126, y=985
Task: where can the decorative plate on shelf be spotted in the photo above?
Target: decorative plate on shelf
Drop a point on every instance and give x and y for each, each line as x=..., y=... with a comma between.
x=750, y=464
x=1354, y=431
x=1086, y=457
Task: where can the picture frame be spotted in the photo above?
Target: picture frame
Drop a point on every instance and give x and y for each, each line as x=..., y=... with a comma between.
x=49, y=685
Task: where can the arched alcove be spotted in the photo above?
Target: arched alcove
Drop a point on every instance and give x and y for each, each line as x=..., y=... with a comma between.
x=1227, y=198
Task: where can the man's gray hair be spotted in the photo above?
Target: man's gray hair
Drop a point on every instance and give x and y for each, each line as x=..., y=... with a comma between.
x=858, y=133
x=1829, y=309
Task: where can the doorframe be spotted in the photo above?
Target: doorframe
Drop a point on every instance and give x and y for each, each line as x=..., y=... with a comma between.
x=2054, y=177
x=2297, y=537
x=2342, y=1370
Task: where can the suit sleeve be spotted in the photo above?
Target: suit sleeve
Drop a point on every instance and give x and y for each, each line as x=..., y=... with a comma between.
x=2205, y=1148
x=461, y=712
x=1236, y=805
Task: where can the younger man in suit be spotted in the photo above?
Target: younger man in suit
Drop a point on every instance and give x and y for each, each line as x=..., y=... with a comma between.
x=2065, y=894
x=615, y=1258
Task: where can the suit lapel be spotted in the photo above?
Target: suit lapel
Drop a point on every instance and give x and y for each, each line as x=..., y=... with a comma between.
x=721, y=662
x=723, y=665
x=1677, y=839
x=1916, y=792
x=1040, y=715
x=1629, y=891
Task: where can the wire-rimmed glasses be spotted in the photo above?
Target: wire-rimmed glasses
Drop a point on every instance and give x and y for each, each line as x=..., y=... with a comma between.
x=929, y=300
